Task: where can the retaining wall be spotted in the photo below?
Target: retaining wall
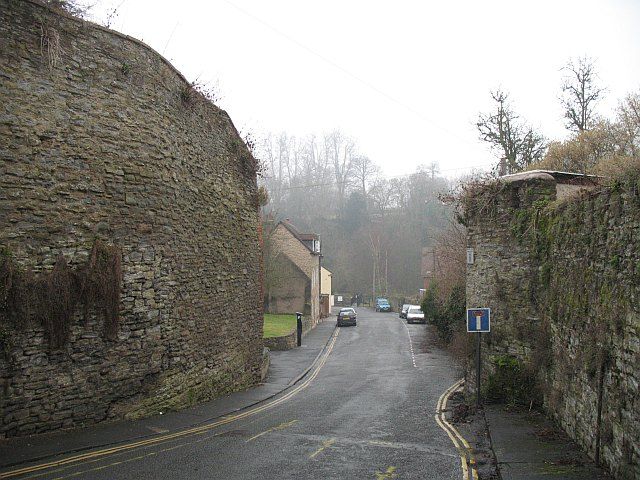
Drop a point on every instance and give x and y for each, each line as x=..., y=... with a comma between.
x=562, y=277
x=101, y=138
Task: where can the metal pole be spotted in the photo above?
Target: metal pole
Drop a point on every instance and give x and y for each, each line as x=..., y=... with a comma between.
x=478, y=366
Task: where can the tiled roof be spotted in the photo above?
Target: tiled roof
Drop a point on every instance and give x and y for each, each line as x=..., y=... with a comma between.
x=303, y=237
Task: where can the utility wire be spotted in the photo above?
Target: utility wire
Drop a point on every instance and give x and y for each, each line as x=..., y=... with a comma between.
x=348, y=73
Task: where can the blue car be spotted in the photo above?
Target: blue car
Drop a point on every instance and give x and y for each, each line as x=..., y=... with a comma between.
x=382, y=305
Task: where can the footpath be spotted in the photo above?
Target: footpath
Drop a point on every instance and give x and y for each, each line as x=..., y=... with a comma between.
x=508, y=444
x=528, y=446
x=285, y=370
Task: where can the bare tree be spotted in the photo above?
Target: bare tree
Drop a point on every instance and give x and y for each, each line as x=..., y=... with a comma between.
x=434, y=169
x=627, y=127
x=340, y=150
x=382, y=194
x=365, y=171
x=580, y=94
x=517, y=144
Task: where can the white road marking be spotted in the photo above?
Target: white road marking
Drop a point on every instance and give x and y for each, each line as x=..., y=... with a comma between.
x=413, y=356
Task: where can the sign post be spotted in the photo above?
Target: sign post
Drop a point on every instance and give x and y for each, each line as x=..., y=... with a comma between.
x=478, y=321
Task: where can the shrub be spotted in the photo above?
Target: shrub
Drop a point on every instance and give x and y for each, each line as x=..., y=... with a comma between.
x=444, y=315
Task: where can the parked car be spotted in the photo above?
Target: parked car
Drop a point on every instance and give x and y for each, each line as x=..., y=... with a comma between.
x=403, y=310
x=347, y=316
x=415, y=315
x=382, y=305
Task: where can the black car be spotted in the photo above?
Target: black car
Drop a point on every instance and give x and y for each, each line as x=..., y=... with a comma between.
x=347, y=316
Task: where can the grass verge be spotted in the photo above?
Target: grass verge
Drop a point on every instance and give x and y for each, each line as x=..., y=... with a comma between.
x=278, y=325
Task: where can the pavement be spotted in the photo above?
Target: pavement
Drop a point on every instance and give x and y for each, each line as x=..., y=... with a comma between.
x=528, y=446
x=365, y=409
x=285, y=369
x=350, y=403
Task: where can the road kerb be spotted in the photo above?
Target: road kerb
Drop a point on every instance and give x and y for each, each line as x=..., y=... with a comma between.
x=250, y=411
x=468, y=463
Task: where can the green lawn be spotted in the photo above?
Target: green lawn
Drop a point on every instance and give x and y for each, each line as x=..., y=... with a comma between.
x=278, y=325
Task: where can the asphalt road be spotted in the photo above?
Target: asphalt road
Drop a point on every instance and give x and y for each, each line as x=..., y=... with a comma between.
x=365, y=411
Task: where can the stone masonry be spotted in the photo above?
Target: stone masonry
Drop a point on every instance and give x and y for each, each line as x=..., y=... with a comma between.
x=101, y=138
x=560, y=269
x=287, y=240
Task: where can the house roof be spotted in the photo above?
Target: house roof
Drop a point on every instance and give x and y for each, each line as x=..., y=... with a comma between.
x=303, y=237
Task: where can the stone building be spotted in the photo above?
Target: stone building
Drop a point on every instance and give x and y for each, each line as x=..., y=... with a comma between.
x=298, y=259
x=104, y=140
x=326, y=292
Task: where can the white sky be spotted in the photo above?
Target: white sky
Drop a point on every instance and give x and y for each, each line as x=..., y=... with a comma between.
x=406, y=79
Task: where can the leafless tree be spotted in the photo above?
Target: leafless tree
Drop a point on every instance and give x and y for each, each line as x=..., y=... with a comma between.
x=580, y=94
x=517, y=144
x=340, y=149
x=382, y=194
x=434, y=169
x=365, y=171
x=627, y=127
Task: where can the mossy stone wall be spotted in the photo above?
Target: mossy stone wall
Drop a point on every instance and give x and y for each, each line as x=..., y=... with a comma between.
x=101, y=138
x=562, y=277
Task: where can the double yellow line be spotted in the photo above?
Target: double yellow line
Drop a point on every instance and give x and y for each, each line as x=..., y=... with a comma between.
x=467, y=460
x=98, y=454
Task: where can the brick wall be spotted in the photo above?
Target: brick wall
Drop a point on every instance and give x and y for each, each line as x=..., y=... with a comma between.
x=100, y=137
x=562, y=277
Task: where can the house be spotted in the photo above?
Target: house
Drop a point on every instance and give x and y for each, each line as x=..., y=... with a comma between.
x=295, y=270
x=326, y=296
x=429, y=266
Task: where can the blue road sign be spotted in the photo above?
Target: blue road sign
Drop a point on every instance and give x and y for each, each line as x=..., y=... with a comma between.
x=478, y=319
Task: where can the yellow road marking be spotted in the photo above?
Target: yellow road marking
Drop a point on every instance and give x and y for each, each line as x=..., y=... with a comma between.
x=390, y=473
x=326, y=444
x=158, y=430
x=132, y=459
x=76, y=459
x=457, y=439
x=282, y=426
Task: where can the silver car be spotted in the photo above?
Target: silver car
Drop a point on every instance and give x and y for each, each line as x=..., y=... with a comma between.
x=415, y=315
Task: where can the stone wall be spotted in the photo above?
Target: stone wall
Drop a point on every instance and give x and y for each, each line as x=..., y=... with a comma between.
x=285, y=342
x=101, y=138
x=562, y=277
x=289, y=293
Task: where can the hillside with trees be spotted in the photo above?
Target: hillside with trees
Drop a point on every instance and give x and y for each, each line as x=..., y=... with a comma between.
x=372, y=228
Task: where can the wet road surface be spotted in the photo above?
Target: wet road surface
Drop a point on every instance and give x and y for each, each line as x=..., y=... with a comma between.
x=366, y=410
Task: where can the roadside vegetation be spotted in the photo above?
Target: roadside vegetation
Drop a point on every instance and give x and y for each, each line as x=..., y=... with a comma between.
x=596, y=144
x=278, y=325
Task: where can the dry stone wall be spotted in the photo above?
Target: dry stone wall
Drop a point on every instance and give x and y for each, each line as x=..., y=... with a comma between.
x=101, y=138
x=562, y=277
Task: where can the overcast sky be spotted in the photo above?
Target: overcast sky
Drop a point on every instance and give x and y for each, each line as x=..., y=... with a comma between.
x=405, y=79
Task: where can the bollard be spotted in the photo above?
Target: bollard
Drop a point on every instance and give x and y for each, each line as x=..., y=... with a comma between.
x=299, y=320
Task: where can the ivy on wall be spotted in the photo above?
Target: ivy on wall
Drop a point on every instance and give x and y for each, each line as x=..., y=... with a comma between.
x=580, y=272
x=52, y=298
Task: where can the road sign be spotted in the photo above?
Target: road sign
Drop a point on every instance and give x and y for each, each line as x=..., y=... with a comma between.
x=478, y=320
x=470, y=256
